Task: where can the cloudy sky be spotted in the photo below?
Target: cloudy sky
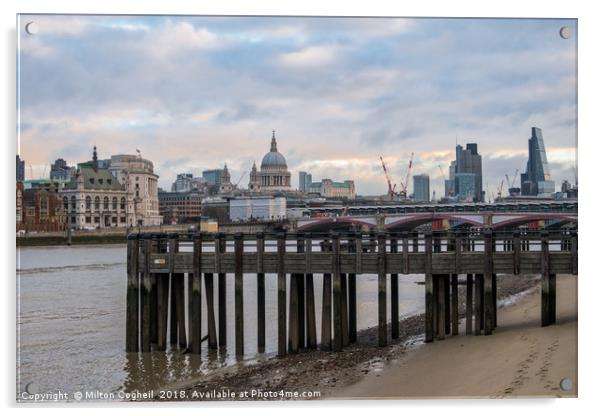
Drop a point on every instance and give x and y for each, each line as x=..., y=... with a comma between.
x=195, y=92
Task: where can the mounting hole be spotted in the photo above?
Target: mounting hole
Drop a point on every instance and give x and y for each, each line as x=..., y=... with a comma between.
x=31, y=28
x=565, y=32
x=566, y=384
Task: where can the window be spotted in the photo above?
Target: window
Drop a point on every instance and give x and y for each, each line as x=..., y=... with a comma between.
x=105, y=204
x=91, y=180
x=122, y=203
x=96, y=220
x=114, y=220
x=88, y=220
x=73, y=204
x=122, y=220
x=88, y=202
x=73, y=220
x=97, y=203
x=114, y=203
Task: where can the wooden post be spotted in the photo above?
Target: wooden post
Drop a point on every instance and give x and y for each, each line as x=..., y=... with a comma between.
x=260, y=294
x=545, y=279
x=415, y=241
x=310, y=306
x=239, y=333
x=145, y=295
x=494, y=298
x=478, y=304
x=211, y=327
x=454, y=304
x=382, y=290
x=337, y=344
x=155, y=244
x=458, y=248
x=351, y=282
x=441, y=309
x=293, y=317
x=133, y=289
x=221, y=297
x=281, y=295
x=181, y=311
x=447, y=304
x=469, y=302
x=196, y=295
x=394, y=297
x=487, y=282
x=344, y=311
x=301, y=297
x=429, y=333
x=552, y=299
x=173, y=322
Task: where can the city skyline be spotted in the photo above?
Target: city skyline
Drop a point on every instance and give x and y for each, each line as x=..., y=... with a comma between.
x=188, y=91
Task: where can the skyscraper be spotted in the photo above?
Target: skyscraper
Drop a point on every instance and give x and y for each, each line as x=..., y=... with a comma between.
x=304, y=181
x=421, y=188
x=537, y=180
x=468, y=161
x=20, y=169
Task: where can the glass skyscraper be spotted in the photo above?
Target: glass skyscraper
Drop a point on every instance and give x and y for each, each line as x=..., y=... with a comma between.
x=537, y=180
x=421, y=188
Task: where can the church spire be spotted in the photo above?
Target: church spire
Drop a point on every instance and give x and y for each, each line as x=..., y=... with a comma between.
x=95, y=158
x=273, y=147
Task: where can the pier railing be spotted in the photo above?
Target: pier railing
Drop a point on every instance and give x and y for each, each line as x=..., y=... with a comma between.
x=163, y=267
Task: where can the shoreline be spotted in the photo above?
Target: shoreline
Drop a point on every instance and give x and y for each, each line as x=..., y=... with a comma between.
x=328, y=372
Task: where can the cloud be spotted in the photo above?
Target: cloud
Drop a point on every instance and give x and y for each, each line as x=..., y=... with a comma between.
x=195, y=92
x=311, y=57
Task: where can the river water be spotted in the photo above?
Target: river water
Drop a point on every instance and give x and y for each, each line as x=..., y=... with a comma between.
x=71, y=323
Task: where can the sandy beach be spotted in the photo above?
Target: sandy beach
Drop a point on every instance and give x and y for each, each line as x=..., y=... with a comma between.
x=521, y=359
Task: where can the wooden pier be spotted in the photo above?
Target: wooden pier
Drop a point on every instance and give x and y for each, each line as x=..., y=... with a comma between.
x=166, y=272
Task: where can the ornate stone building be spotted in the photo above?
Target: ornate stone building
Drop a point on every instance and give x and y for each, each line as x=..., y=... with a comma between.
x=140, y=182
x=254, y=180
x=225, y=186
x=329, y=189
x=274, y=174
x=94, y=198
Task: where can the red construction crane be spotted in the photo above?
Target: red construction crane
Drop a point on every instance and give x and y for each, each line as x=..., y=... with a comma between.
x=404, y=184
x=391, y=189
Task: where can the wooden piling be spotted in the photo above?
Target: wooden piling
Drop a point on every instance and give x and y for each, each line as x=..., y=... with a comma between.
x=260, y=294
x=337, y=344
x=406, y=254
x=441, y=306
x=133, y=290
x=382, y=290
x=429, y=333
x=469, y=303
x=344, y=310
x=210, y=298
x=239, y=334
x=310, y=303
x=196, y=296
x=574, y=262
x=281, y=296
x=394, y=297
x=301, y=296
x=447, y=304
x=221, y=296
x=145, y=336
x=478, y=304
x=351, y=281
x=545, y=280
x=552, y=299
x=293, y=316
x=180, y=310
x=488, y=282
x=454, y=304
x=173, y=323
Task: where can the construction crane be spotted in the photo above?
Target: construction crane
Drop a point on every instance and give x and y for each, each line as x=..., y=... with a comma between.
x=499, y=190
x=391, y=188
x=240, y=179
x=404, y=184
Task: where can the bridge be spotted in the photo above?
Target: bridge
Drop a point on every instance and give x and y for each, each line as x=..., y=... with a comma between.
x=439, y=220
x=163, y=266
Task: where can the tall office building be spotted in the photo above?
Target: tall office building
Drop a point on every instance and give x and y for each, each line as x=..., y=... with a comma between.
x=465, y=185
x=304, y=181
x=468, y=161
x=60, y=171
x=537, y=180
x=421, y=188
x=20, y=169
x=213, y=176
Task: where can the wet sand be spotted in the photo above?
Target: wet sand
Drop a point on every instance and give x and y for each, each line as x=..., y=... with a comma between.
x=521, y=359
x=406, y=368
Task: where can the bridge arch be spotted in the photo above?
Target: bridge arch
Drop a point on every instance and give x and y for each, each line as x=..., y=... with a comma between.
x=517, y=220
x=336, y=223
x=412, y=221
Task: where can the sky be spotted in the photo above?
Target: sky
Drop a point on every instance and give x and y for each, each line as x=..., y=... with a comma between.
x=193, y=93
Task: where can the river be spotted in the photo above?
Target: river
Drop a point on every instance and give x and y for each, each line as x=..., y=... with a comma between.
x=71, y=323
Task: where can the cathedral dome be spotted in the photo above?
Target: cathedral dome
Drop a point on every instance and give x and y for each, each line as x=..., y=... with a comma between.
x=273, y=159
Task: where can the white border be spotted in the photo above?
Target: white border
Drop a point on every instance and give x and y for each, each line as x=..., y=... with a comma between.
x=589, y=118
